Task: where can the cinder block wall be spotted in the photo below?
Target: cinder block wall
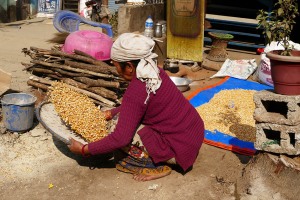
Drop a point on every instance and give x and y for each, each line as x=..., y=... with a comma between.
x=277, y=122
x=133, y=18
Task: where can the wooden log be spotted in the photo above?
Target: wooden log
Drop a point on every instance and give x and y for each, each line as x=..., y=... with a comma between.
x=99, y=82
x=94, y=96
x=97, y=90
x=29, y=65
x=73, y=56
x=37, y=85
x=54, y=65
x=29, y=53
x=41, y=80
x=52, y=59
x=110, y=92
x=95, y=68
x=103, y=92
x=70, y=81
x=59, y=72
x=40, y=50
x=72, y=74
x=54, y=76
x=40, y=70
x=81, y=53
x=82, y=57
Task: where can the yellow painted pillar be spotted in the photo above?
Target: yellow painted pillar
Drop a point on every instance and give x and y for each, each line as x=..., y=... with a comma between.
x=185, y=29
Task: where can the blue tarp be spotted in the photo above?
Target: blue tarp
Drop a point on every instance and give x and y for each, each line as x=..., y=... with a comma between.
x=204, y=96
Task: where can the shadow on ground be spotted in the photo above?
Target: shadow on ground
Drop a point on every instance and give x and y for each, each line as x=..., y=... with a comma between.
x=93, y=162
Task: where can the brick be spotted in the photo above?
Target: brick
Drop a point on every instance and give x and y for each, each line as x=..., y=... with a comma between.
x=277, y=109
x=276, y=138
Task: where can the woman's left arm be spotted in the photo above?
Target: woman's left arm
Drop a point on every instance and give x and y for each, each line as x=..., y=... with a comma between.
x=78, y=148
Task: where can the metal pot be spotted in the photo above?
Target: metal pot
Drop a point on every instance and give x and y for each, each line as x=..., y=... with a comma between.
x=163, y=26
x=181, y=83
x=158, y=30
x=171, y=65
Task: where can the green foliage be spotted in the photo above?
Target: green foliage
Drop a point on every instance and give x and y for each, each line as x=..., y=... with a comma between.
x=224, y=36
x=278, y=24
x=268, y=143
x=113, y=21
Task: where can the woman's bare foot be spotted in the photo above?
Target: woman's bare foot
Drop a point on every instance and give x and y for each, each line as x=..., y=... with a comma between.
x=147, y=174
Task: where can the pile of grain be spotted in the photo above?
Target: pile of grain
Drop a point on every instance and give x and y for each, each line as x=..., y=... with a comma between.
x=79, y=112
x=231, y=112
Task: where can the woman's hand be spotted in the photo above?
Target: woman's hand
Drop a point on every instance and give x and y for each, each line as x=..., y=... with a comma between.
x=107, y=115
x=75, y=146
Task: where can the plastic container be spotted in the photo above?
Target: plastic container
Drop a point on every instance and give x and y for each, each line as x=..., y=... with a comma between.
x=18, y=111
x=93, y=43
x=82, y=7
x=149, y=27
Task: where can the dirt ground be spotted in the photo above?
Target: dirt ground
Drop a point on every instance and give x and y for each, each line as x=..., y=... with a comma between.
x=34, y=165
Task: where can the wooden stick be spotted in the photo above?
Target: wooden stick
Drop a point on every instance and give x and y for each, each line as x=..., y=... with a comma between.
x=54, y=76
x=94, y=68
x=100, y=83
x=39, y=49
x=37, y=85
x=100, y=91
x=54, y=65
x=73, y=56
x=97, y=90
x=85, y=58
x=70, y=81
x=71, y=74
x=94, y=96
x=81, y=53
x=41, y=80
x=109, y=92
x=40, y=70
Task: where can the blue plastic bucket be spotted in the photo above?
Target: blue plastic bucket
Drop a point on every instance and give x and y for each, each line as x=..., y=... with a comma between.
x=18, y=111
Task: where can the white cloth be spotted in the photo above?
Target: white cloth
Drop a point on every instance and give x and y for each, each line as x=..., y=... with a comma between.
x=131, y=46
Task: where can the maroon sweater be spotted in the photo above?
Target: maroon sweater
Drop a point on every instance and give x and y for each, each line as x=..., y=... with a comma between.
x=173, y=128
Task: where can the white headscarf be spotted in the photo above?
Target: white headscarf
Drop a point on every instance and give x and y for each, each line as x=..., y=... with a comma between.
x=131, y=46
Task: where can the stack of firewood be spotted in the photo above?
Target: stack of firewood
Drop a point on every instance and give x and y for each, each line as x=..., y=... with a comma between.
x=96, y=79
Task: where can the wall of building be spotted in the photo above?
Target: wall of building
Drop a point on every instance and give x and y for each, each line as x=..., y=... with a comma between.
x=112, y=6
x=15, y=10
x=8, y=11
x=132, y=18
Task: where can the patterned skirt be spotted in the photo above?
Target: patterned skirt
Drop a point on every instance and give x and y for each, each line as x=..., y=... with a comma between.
x=134, y=159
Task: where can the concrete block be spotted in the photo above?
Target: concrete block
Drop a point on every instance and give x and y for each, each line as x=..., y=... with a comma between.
x=276, y=138
x=277, y=109
x=133, y=18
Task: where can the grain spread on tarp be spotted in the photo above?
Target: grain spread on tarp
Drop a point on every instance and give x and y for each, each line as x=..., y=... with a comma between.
x=231, y=112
